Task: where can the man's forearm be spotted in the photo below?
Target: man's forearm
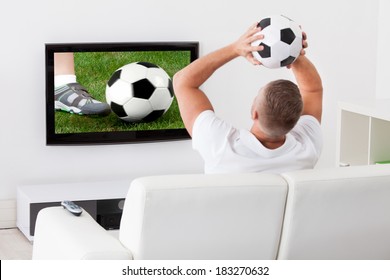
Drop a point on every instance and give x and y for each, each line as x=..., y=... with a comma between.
x=192, y=101
x=306, y=74
x=195, y=74
x=310, y=86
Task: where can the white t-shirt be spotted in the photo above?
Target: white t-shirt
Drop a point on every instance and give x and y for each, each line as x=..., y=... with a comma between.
x=226, y=149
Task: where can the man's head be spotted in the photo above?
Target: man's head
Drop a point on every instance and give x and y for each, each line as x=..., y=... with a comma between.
x=277, y=108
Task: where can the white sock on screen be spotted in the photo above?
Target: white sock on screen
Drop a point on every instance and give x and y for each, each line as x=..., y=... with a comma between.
x=60, y=80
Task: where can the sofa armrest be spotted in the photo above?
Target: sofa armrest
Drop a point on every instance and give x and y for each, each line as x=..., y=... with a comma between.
x=61, y=235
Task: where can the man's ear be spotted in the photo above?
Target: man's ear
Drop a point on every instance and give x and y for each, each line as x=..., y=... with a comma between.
x=255, y=115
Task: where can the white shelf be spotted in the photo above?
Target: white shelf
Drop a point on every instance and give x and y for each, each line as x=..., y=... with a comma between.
x=71, y=191
x=379, y=108
x=364, y=132
x=32, y=198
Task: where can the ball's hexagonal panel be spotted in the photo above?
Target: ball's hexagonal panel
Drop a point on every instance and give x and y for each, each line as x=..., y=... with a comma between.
x=138, y=108
x=158, y=77
x=120, y=92
x=133, y=72
x=161, y=99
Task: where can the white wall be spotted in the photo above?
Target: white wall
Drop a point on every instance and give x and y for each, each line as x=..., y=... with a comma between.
x=383, y=57
x=339, y=37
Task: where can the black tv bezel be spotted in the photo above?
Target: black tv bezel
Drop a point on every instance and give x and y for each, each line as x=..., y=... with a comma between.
x=115, y=137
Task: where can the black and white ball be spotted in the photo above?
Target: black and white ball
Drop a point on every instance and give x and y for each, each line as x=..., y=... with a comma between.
x=139, y=92
x=282, y=41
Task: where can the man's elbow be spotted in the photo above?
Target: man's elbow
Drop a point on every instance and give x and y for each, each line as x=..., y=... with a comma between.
x=177, y=80
x=179, y=83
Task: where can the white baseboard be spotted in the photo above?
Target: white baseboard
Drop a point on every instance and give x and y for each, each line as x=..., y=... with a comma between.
x=7, y=213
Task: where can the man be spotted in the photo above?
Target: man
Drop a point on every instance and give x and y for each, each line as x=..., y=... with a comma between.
x=286, y=132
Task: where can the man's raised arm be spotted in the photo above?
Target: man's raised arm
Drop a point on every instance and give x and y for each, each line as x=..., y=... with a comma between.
x=192, y=101
x=310, y=86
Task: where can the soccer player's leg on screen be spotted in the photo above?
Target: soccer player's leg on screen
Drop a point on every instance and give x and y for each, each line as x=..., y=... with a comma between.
x=69, y=95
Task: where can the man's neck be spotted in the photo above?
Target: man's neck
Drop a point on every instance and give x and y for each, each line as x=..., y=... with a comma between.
x=268, y=142
x=273, y=144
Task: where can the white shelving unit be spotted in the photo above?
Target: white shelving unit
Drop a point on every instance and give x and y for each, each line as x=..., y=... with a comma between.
x=364, y=132
x=106, y=197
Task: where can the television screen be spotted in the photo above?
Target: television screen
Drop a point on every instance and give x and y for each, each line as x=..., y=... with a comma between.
x=105, y=93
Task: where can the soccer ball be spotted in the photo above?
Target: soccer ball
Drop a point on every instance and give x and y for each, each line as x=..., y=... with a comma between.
x=282, y=41
x=139, y=92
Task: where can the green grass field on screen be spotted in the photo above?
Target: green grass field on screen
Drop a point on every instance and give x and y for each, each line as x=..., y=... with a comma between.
x=94, y=69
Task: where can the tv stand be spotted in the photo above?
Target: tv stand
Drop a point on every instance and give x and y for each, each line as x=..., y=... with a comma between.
x=102, y=200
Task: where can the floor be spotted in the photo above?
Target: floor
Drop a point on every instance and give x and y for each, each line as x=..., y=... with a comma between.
x=14, y=245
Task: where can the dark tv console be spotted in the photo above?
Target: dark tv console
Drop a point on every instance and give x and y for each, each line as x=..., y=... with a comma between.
x=102, y=200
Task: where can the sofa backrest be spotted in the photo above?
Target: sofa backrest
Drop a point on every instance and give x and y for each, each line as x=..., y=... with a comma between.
x=338, y=213
x=234, y=216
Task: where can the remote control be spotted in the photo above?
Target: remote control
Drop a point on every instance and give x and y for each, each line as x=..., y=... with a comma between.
x=72, y=207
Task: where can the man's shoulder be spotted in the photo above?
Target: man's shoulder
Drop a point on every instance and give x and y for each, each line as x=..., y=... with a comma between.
x=207, y=114
x=207, y=120
x=308, y=130
x=308, y=120
x=208, y=129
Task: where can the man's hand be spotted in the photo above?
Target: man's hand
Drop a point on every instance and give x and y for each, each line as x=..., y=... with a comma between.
x=304, y=46
x=304, y=43
x=243, y=46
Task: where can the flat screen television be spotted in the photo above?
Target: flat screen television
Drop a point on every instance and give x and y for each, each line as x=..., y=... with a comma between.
x=131, y=81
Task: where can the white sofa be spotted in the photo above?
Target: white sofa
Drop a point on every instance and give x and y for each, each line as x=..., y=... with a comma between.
x=338, y=213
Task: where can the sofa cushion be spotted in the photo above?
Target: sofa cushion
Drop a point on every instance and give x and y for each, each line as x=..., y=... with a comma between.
x=338, y=213
x=233, y=216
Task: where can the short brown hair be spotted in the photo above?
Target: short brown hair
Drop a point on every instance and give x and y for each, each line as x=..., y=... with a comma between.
x=280, y=107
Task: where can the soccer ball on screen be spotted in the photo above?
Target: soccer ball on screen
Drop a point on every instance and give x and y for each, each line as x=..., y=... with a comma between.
x=139, y=92
x=282, y=41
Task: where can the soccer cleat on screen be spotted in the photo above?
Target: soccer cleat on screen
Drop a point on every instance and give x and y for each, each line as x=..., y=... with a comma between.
x=74, y=98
